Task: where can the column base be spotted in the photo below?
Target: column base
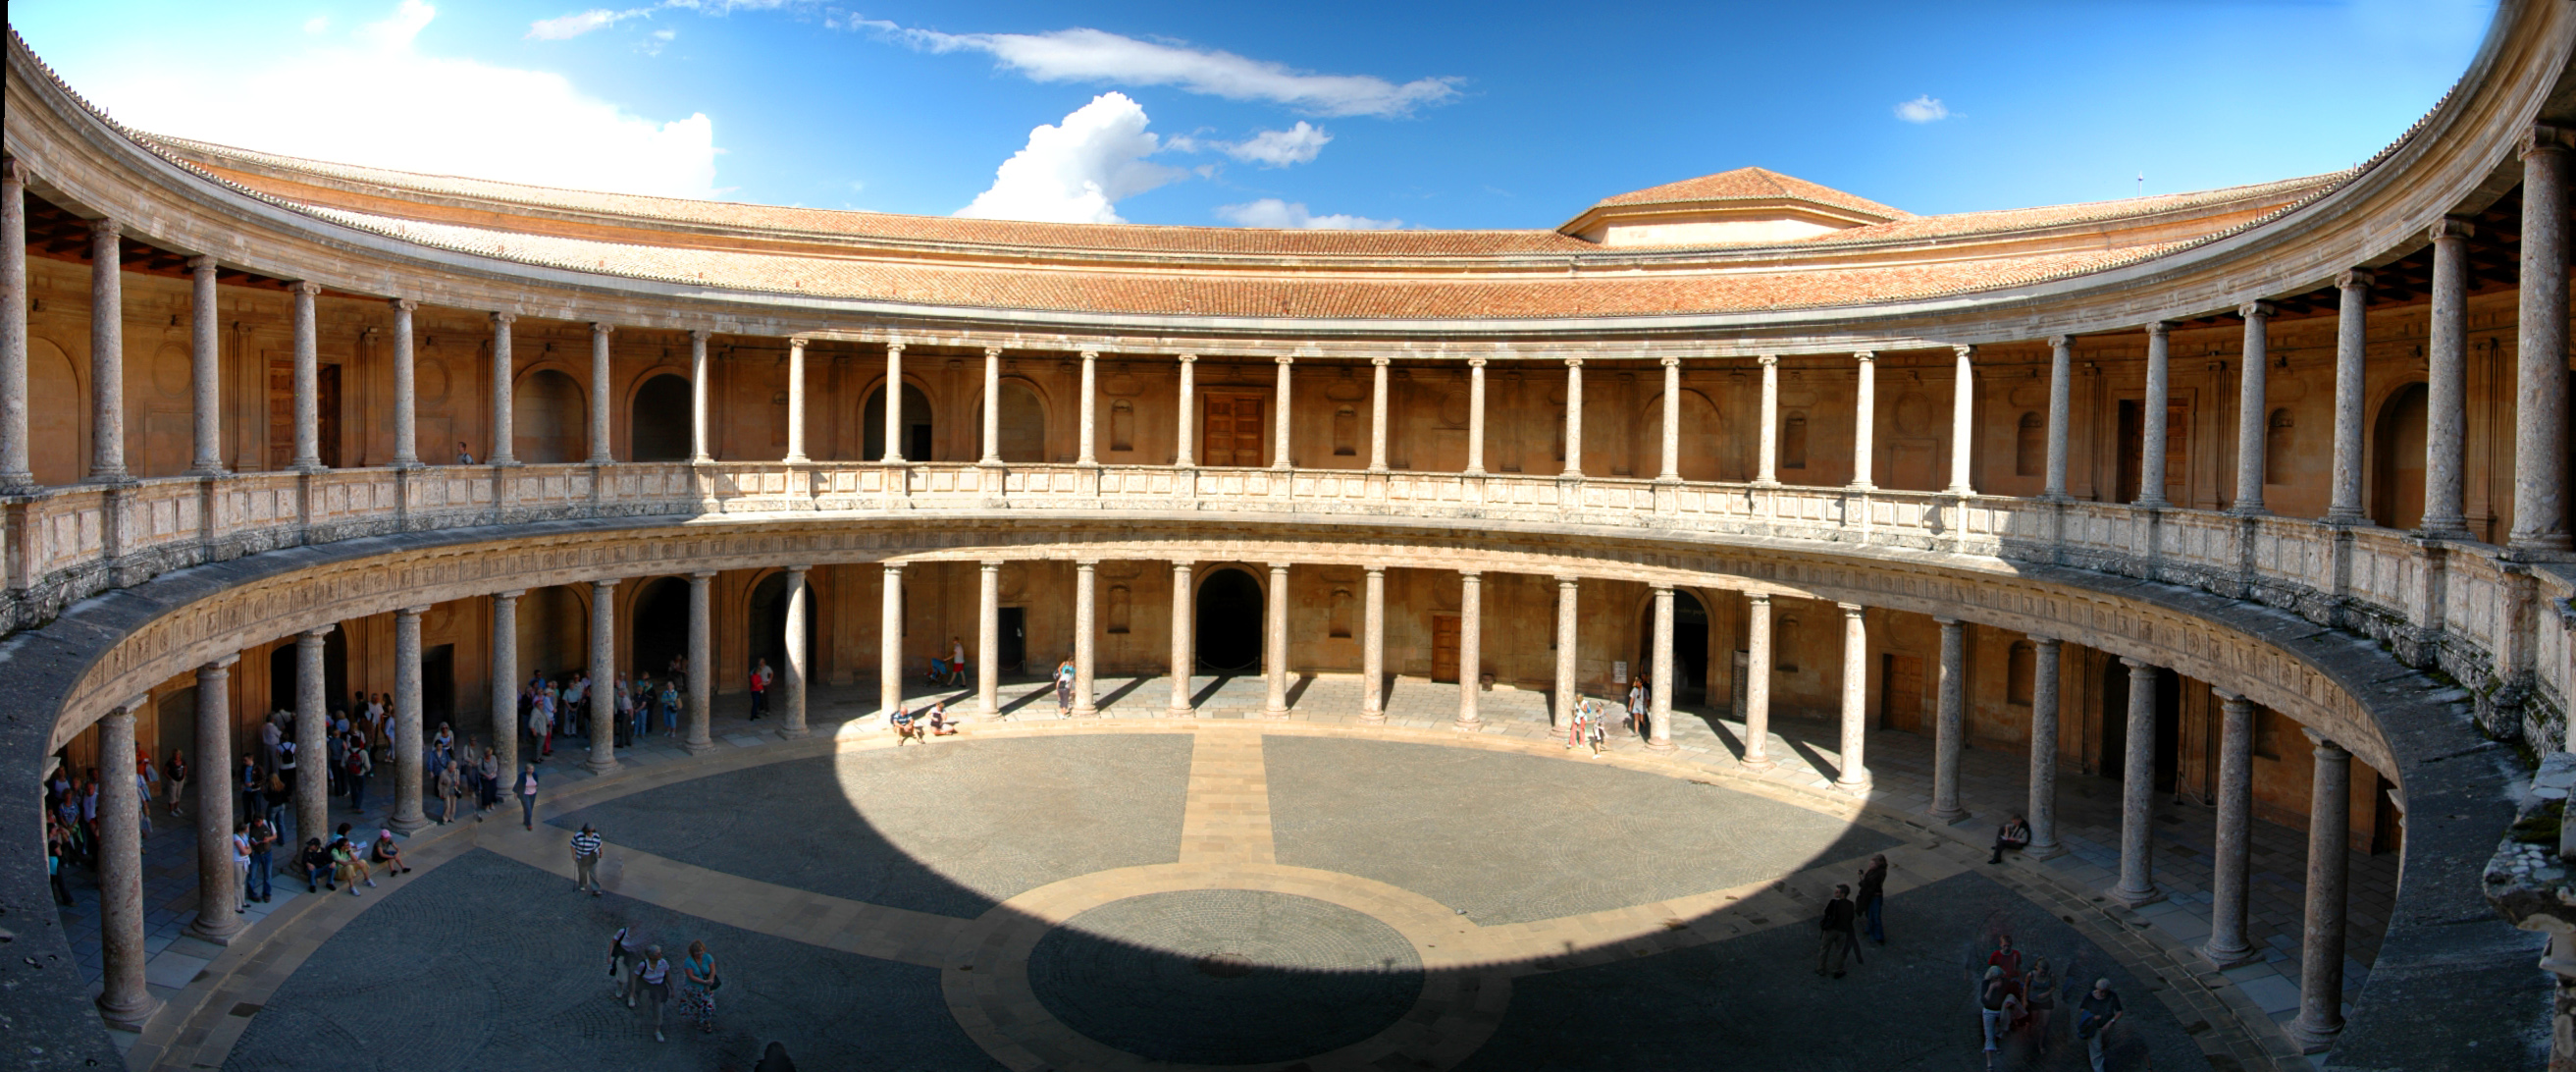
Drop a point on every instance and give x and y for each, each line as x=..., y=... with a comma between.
x=1947, y=816
x=2444, y=530
x=220, y=930
x=793, y=733
x=1470, y=723
x=698, y=748
x=1757, y=764
x=404, y=824
x=128, y=1017
x=2045, y=852
x=2310, y=1038
x=1373, y=717
x=2134, y=899
x=2223, y=959
x=1180, y=712
x=1858, y=788
x=596, y=765
x=1661, y=746
x=1085, y=711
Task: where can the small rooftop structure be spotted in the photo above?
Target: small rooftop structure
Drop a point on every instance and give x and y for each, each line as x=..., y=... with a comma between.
x=1744, y=206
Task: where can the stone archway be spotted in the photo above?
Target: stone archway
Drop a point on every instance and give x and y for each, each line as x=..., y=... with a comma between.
x=917, y=438
x=657, y=422
x=550, y=421
x=2397, y=459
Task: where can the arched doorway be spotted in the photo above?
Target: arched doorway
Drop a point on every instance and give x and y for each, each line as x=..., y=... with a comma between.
x=1703, y=439
x=658, y=422
x=2397, y=460
x=769, y=624
x=1023, y=423
x=916, y=425
x=1690, y=646
x=57, y=445
x=335, y=674
x=550, y=420
x=554, y=633
x=1228, y=622
x=661, y=629
x=2115, y=723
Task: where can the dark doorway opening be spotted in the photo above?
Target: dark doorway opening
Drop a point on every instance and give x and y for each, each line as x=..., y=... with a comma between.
x=1022, y=426
x=2397, y=460
x=658, y=424
x=550, y=419
x=176, y=729
x=1015, y=640
x=438, y=687
x=916, y=425
x=335, y=674
x=661, y=626
x=1229, y=622
x=1690, y=647
x=2115, y=723
x=769, y=624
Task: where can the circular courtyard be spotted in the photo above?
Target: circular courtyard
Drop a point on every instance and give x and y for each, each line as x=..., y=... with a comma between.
x=1071, y=896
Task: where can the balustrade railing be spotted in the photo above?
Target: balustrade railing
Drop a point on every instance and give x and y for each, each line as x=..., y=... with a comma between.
x=2498, y=624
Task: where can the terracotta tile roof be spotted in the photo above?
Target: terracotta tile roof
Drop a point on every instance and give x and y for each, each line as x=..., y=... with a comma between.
x=2259, y=197
x=1751, y=184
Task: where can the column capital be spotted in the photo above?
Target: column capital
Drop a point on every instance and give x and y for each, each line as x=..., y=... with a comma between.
x=514, y=593
x=598, y=328
x=403, y=305
x=305, y=287
x=797, y=342
x=1964, y=350
x=2327, y=749
x=1864, y=356
x=997, y=563
x=106, y=226
x=1279, y=567
x=1374, y=569
x=219, y=667
x=992, y=353
x=1852, y=610
x=1470, y=574
x=413, y=612
x=700, y=335
x=1946, y=623
x=1763, y=598
x=1475, y=362
x=318, y=633
x=2226, y=696
x=2157, y=329
x=1380, y=362
x=2257, y=310
x=2355, y=278
x=708, y=575
x=1286, y=359
x=2061, y=342
x=2044, y=641
x=1186, y=359
x=129, y=708
x=1091, y=355
x=1085, y=565
x=1669, y=362
x=201, y=264
x=892, y=566
x=2541, y=138
x=504, y=319
x=1661, y=588
x=1767, y=360
x=1574, y=362
x=1568, y=582
x=13, y=169
x=892, y=348
x=604, y=583
x=2135, y=664
x=2450, y=227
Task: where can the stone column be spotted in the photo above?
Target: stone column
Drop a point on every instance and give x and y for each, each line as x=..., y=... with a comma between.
x=2540, y=379
x=603, y=676
x=992, y=454
x=2061, y=376
x=406, y=419
x=1963, y=415
x=312, y=733
x=1947, y=728
x=1373, y=647
x=2151, y=460
x=506, y=723
x=1279, y=422
x=1855, y=759
x=702, y=662
x=1567, y=688
x=1471, y=641
x=1864, y=417
x=1274, y=647
x=308, y=380
x=1184, y=662
x=1475, y=416
x=2321, y=939
x=796, y=403
x=2352, y=335
x=2227, y=946
x=2044, y=690
x=1086, y=627
x=600, y=451
x=1672, y=445
x=1377, y=414
x=799, y=671
x=407, y=730
x=1574, y=417
x=890, y=641
x=107, y=352
x=1185, y=427
x=1757, y=682
x=1767, y=467
x=124, y=1002
x=2252, y=413
x=1088, y=452
x=1659, y=704
x=219, y=883
x=504, y=433
x=698, y=386
x=2447, y=385
x=205, y=371
x=16, y=471
x=988, y=639
x=2137, y=791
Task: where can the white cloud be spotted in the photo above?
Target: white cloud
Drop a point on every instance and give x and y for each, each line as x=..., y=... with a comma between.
x=563, y=27
x=390, y=105
x=1924, y=109
x=1078, y=171
x=1280, y=148
x=1292, y=216
x=1086, y=55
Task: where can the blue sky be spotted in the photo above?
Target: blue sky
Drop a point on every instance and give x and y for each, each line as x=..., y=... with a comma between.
x=1421, y=114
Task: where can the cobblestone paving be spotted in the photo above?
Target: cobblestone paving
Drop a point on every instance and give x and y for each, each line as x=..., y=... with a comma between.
x=1515, y=838
x=1225, y=976
x=1754, y=1003
x=953, y=830
x=490, y=966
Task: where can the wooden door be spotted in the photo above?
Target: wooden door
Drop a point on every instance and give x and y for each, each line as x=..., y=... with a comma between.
x=2177, y=453
x=1231, y=431
x=327, y=414
x=1901, y=692
x=1444, y=647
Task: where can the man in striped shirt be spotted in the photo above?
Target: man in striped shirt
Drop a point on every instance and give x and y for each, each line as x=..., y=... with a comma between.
x=585, y=859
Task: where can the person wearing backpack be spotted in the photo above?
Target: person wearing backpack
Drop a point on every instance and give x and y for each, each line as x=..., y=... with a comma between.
x=356, y=775
x=2094, y=1016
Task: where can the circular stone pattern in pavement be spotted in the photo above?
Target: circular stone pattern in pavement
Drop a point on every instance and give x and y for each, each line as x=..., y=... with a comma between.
x=1225, y=976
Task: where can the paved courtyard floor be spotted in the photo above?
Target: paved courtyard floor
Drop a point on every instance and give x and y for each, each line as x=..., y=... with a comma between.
x=1136, y=892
